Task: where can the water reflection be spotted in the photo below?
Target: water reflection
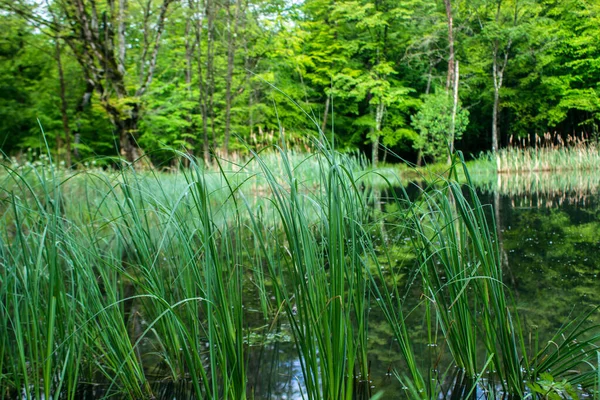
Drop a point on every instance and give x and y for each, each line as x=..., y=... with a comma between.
x=549, y=232
x=543, y=189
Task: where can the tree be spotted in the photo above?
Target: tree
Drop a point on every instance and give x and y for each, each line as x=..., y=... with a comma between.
x=196, y=74
x=371, y=32
x=502, y=24
x=570, y=70
x=96, y=33
x=63, y=107
x=434, y=123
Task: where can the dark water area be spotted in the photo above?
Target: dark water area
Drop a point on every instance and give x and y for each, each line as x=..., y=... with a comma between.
x=550, y=244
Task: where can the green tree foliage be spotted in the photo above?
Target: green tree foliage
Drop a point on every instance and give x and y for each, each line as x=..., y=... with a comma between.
x=29, y=91
x=250, y=71
x=434, y=124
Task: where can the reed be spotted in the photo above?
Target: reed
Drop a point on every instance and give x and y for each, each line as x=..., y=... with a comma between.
x=549, y=152
x=320, y=283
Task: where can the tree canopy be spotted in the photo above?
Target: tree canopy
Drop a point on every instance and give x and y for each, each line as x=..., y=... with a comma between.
x=126, y=78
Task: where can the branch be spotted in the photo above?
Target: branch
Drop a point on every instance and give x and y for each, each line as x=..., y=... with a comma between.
x=121, y=34
x=29, y=15
x=159, y=30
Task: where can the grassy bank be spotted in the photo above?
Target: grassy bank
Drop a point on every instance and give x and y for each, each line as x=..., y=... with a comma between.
x=129, y=279
x=547, y=153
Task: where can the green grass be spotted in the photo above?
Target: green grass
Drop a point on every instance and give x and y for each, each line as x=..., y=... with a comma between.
x=129, y=278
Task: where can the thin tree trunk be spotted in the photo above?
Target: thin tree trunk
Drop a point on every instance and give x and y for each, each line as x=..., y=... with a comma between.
x=231, y=48
x=121, y=33
x=195, y=6
x=247, y=81
x=160, y=26
x=378, y=120
x=429, y=77
x=498, y=75
x=145, y=36
x=427, y=90
x=375, y=151
x=189, y=51
x=210, y=15
x=63, y=109
x=495, y=116
x=450, y=77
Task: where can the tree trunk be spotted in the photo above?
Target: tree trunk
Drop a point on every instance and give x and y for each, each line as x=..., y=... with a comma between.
x=210, y=83
x=126, y=126
x=248, y=66
x=63, y=109
x=231, y=47
x=375, y=150
x=378, y=119
x=495, y=120
x=189, y=51
x=498, y=75
x=121, y=32
x=129, y=148
x=429, y=77
x=195, y=6
x=427, y=90
x=450, y=77
x=325, y=114
x=454, y=110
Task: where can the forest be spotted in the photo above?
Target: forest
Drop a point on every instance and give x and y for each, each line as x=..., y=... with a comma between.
x=219, y=77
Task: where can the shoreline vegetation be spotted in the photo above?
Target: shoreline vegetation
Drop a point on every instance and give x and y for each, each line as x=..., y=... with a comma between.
x=128, y=278
x=526, y=159
x=547, y=153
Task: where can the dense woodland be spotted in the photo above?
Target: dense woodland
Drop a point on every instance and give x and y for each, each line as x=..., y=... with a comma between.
x=210, y=77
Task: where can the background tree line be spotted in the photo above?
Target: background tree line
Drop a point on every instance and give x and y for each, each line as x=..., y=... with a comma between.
x=130, y=76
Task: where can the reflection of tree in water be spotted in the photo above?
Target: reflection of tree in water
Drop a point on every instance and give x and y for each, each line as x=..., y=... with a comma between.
x=553, y=255
x=543, y=189
x=548, y=229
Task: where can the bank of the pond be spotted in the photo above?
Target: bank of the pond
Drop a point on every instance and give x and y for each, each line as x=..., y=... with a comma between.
x=528, y=159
